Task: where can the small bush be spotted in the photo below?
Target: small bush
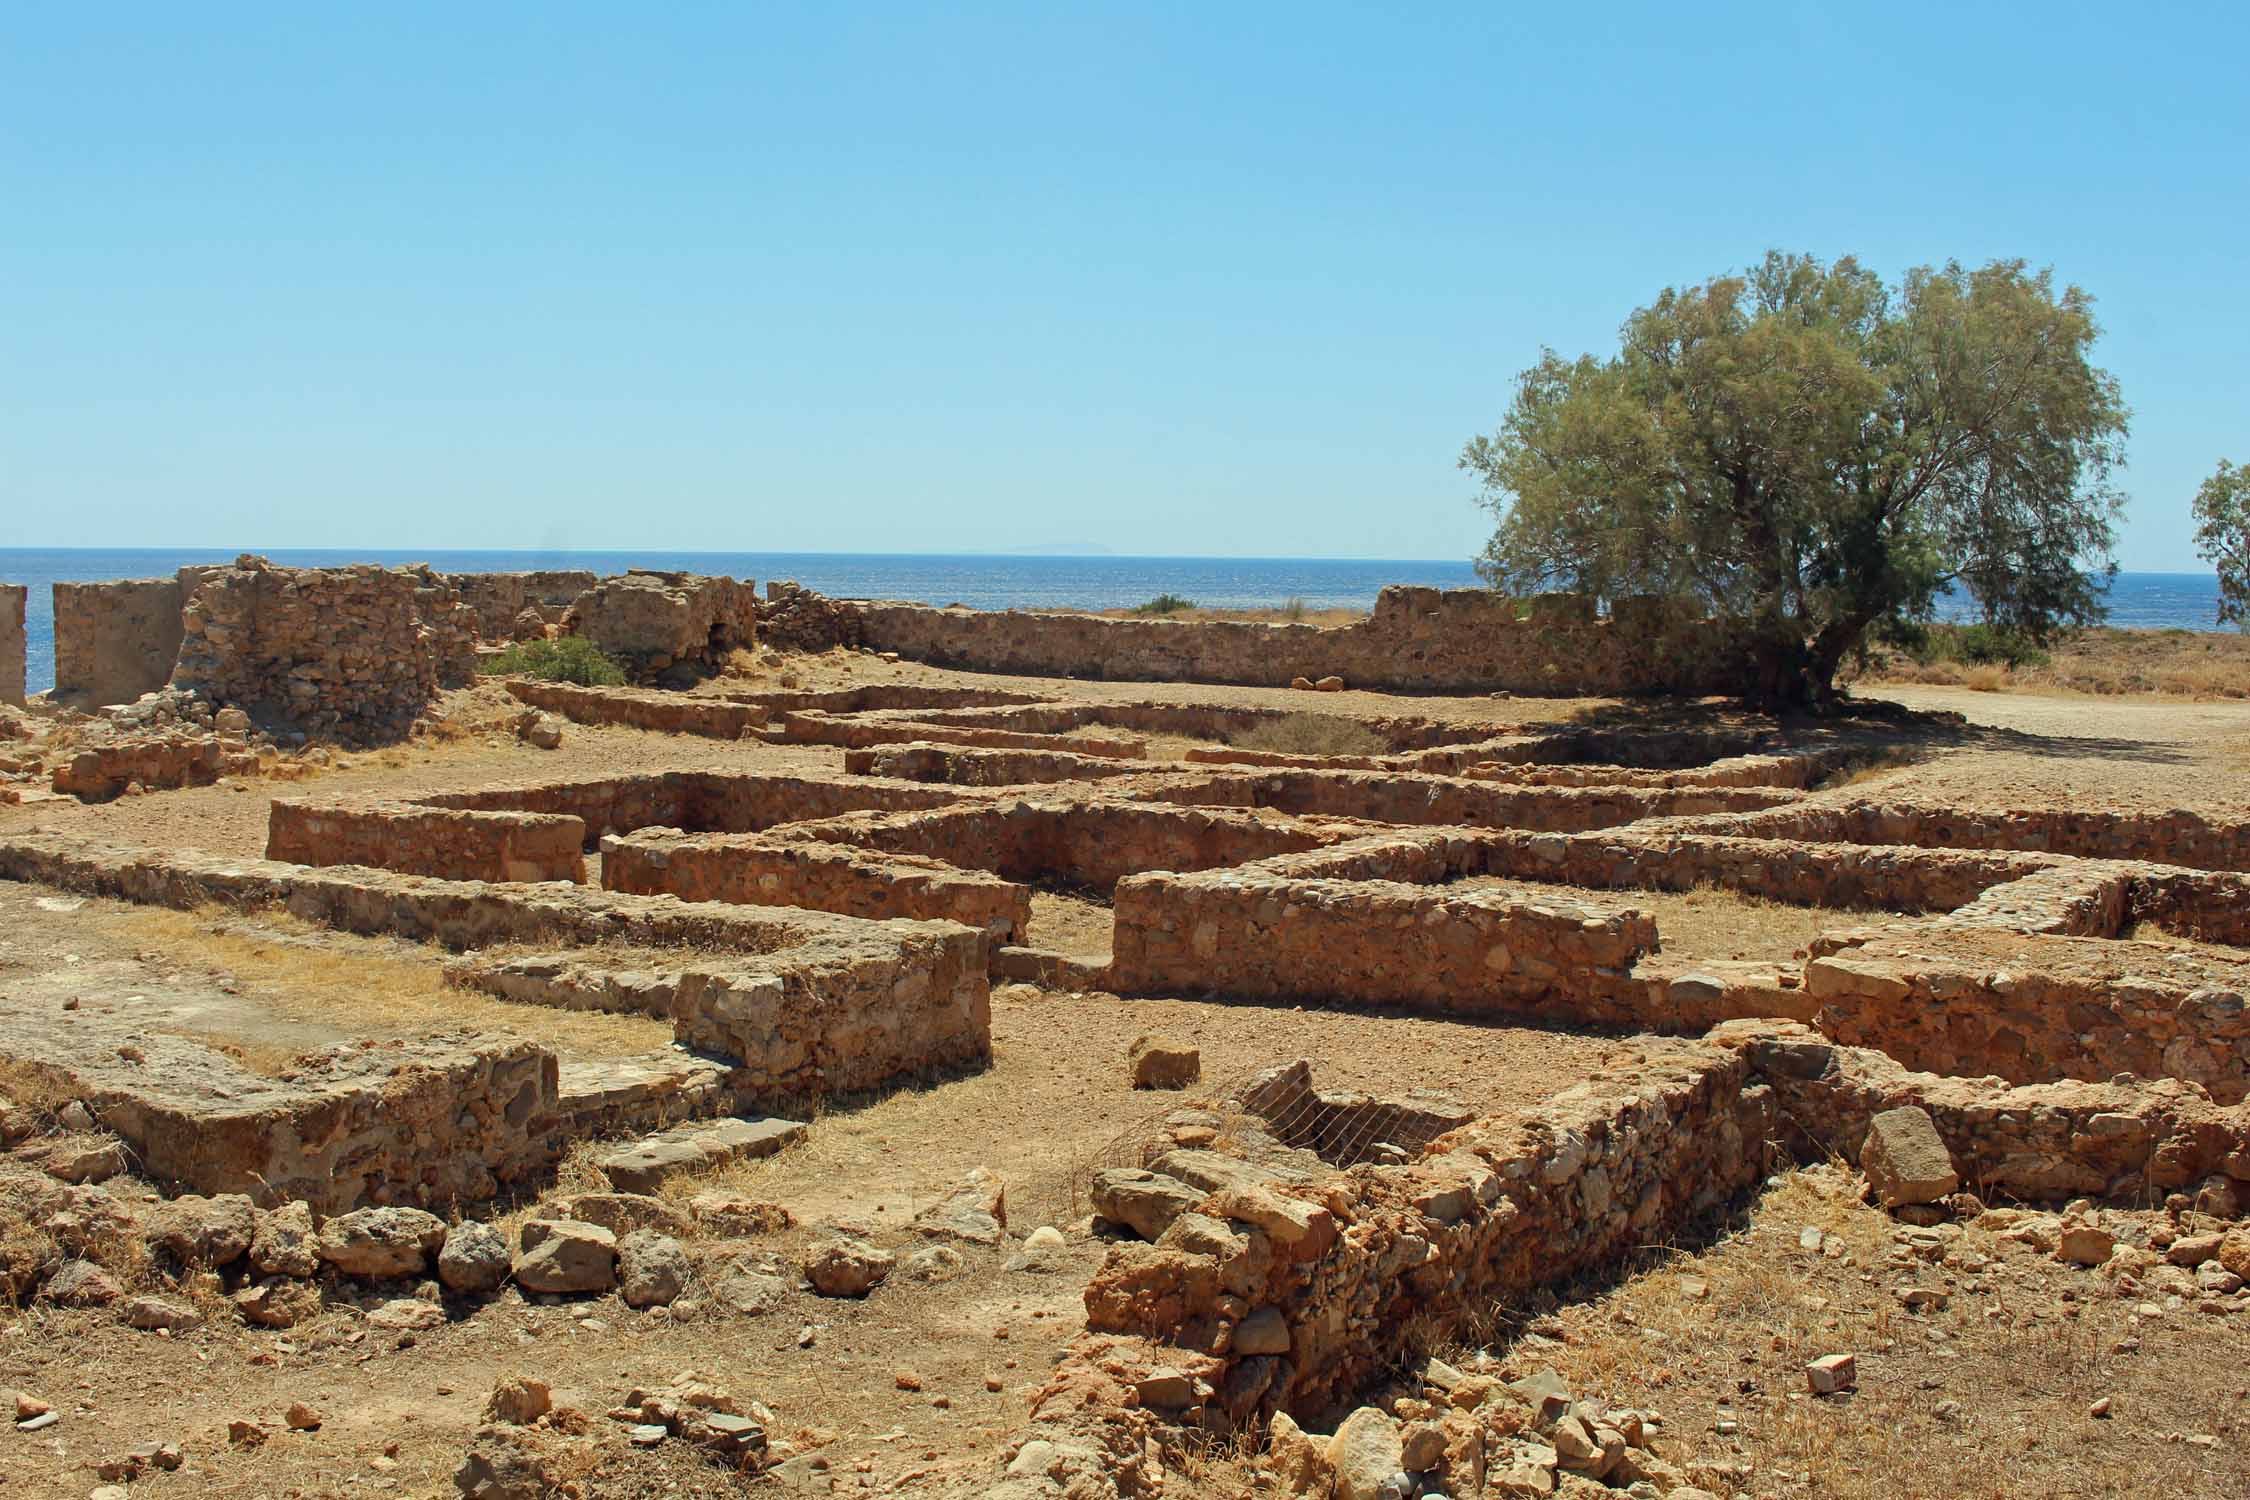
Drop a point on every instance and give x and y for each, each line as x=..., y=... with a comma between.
x=1312, y=734
x=1985, y=679
x=1293, y=609
x=571, y=659
x=1164, y=604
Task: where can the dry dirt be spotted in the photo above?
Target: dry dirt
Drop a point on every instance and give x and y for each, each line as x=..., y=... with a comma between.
x=2023, y=1353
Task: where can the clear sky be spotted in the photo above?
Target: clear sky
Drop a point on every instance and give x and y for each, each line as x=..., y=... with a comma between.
x=1170, y=279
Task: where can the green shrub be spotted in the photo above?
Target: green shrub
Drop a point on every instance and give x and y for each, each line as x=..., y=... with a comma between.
x=1312, y=734
x=571, y=659
x=1293, y=608
x=1163, y=604
x=1977, y=645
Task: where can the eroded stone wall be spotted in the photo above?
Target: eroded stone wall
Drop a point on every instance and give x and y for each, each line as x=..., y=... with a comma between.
x=13, y=643
x=498, y=598
x=118, y=639
x=656, y=621
x=356, y=652
x=453, y=844
x=1417, y=640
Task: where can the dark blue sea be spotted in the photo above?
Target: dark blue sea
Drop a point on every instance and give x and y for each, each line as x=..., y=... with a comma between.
x=2139, y=600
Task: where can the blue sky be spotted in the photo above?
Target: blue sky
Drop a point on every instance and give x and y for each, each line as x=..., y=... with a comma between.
x=1170, y=279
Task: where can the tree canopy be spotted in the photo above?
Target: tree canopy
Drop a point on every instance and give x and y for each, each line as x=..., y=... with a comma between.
x=1815, y=455
x=2222, y=537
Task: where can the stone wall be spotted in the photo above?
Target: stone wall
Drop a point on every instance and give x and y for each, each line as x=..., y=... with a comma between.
x=657, y=621
x=698, y=801
x=2036, y=1009
x=2173, y=838
x=1406, y=797
x=665, y=713
x=1370, y=938
x=355, y=652
x=152, y=762
x=810, y=728
x=117, y=640
x=498, y=598
x=759, y=871
x=454, y=844
x=1417, y=640
x=13, y=643
x=962, y=766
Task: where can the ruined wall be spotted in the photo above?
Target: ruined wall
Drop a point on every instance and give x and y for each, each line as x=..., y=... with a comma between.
x=858, y=734
x=1271, y=933
x=453, y=844
x=821, y=877
x=357, y=652
x=971, y=767
x=498, y=598
x=697, y=801
x=666, y=713
x=13, y=643
x=1411, y=798
x=116, y=640
x=2036, y=1009
x=655, y=621
x=1418, y=640
x=2175, y=837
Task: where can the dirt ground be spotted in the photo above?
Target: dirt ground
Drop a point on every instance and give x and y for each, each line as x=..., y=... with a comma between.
x=2023, y=1350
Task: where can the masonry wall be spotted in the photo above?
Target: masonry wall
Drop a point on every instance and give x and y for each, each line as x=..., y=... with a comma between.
x=356, y=652
x=116, y=640
x=751, y=869
x=13, y=643
x=1418, y=640
x=452, y=844
x=498, y=598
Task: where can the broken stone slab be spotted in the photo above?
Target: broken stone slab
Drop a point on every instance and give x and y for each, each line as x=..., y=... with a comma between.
x=381, y=1242
x=563, y=1255
x=704, y=1146
x=1906, y=1160
x=1142, y=1201
x=1160, y=1063
x=977, y=1212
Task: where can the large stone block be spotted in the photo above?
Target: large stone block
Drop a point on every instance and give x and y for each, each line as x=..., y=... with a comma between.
x=1905, y=1158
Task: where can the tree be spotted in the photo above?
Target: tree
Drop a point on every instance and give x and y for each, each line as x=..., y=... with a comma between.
x=2222, y=537
x=1813, y=455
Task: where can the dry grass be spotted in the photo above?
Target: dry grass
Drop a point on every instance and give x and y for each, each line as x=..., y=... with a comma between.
x=310, y=974
x=1312, y=734
x=1987, y=1396
x=1713, y=922
x=1072, y=923
x=2203, y=665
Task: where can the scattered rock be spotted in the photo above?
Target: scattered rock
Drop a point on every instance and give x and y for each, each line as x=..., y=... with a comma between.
x=167, y=1313
x=976, y=1211
x=1329, y=685
x=748, y=1289
x=1365, y=1452
x=1159, y=1063
x=1142, y=1201
x=81, y=1283
x=302, y=1418
x=519, y=1400
x=724, y=1214
x=474, y=1259
x=1832, y=1374
x=652, y=1269
x=284, y=1244
x=2084, y=1244
x=565, y=1255
x=545, y=731
x=846, y=1267
x=1905, y=1158
x=380, y=1243
x=276, y=1302
x=201, y=1231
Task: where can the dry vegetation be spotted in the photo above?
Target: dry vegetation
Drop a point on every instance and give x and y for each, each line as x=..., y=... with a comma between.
x=2165, y=663
x=1312, y=734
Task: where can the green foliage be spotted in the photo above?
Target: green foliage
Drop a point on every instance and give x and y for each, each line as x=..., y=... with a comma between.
x=1813, y=454
x=570, y=659
x=1977, y=645
x=1163, y=604
x=2222, y=537
x=1293, y=608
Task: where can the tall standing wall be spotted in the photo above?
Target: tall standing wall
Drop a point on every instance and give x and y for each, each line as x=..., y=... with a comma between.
x=12, y=648
x=115, y=640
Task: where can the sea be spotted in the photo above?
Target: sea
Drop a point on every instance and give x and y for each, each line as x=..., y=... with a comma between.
x=2136, y=600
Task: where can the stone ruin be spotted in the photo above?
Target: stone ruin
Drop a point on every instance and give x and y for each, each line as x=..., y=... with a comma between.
x=1273, y=1247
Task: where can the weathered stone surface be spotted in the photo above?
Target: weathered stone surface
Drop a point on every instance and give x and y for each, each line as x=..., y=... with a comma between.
x=976, y=1211
x=1906, y=1160
x=381, y=1242
x=203, y=1231
x=701, y=1147
x=1156, y=1062
x=847, y=1267
x=1365, y=1453
x=474, y=1259
x=285, y=1244
x=562, y=1255
x=79, y=1283
x=1143, y=1201
x=652, y=1269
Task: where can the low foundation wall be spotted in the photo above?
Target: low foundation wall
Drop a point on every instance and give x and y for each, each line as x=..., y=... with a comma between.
x=750, y=869
x=153, y=762
x=1417, y=640
x=1276, y=934
x=455, y=845
x=1419, y=799
x=859, y=734
x=2040, y=1009
x=665, y=713
x=698, y=801
x=952, y=766
x=2171, y=838
x=430, y=1123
